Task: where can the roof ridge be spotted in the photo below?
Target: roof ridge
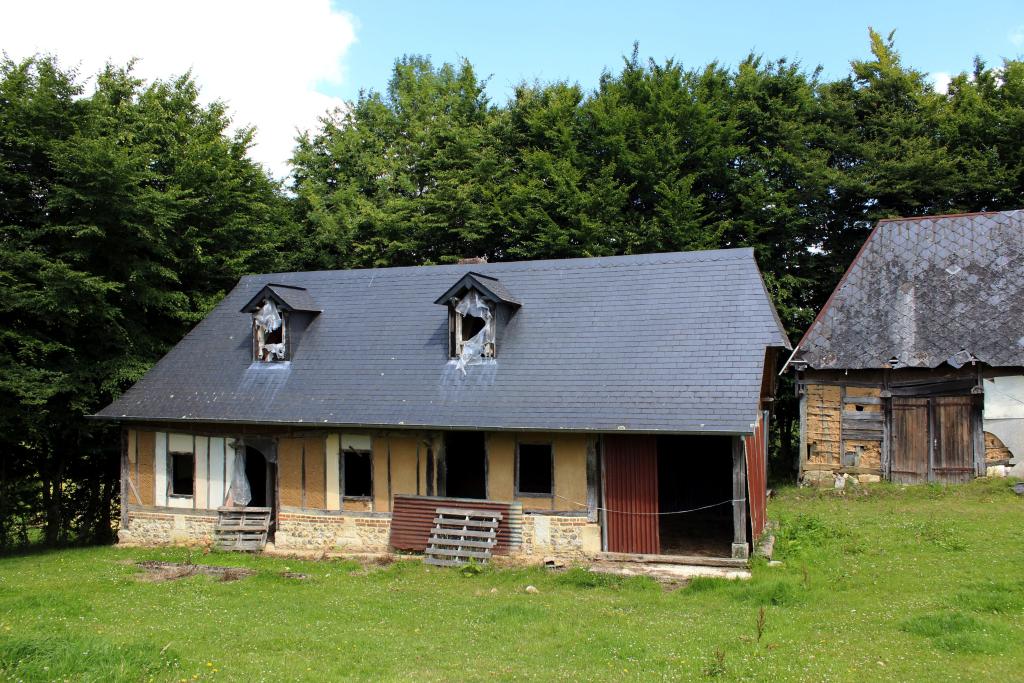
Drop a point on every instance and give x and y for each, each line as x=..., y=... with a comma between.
x=900, y=219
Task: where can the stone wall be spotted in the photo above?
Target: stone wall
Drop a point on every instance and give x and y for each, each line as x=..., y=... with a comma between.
x=343, y=532
x=146, y=527
x=564, y=537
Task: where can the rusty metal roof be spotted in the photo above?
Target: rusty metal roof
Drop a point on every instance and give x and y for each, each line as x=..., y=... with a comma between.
x=927, y=291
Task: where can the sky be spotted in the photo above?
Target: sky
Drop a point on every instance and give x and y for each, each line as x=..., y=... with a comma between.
x=282, y=65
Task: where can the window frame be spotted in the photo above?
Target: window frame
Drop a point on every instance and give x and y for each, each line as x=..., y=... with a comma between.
x=344, y=480
x=531, y=494
x=171, y=456
x=455, y=340
x=284, y=337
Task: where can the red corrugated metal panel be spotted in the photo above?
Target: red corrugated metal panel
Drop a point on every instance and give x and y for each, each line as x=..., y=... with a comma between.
x=757, y=475
x=631, y=491
x=412, y=518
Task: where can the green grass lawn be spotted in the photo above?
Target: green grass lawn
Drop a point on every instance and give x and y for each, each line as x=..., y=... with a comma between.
x=886, y=583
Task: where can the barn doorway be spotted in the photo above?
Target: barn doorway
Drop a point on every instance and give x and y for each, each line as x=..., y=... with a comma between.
x=695, y=479
x=465, y=465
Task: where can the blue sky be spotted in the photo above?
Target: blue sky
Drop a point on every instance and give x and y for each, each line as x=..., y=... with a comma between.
x=524, y=40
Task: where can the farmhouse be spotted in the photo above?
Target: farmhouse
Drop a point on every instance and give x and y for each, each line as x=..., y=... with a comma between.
x=563, y=407
x=914, y=369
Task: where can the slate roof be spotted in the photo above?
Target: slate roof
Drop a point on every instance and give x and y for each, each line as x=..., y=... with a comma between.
x=927, y=291
x=293, y=298
x=672, y=342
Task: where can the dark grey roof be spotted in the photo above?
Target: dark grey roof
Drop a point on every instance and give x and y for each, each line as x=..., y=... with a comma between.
x=672, y=342
x=927, y=290
x=290, y=298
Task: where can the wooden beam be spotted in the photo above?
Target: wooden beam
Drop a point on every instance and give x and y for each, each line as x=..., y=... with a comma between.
x=740, y=549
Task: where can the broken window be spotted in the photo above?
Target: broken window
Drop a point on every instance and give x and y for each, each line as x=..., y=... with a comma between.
x=357, y=474
x=268, y=331
x=472, y=330
x=534, y=470
x=182, y=474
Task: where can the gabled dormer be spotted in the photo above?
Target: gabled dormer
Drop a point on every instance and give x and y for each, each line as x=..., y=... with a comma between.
x=278, y=313
x=475, y=305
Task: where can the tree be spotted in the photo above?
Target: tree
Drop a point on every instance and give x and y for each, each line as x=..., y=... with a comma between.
x=126, y=213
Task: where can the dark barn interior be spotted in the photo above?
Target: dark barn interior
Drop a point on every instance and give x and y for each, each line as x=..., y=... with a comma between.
x=465, y=473
x=695, y=471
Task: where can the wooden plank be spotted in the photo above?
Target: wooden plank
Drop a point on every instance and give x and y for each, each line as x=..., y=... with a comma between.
x=459, y=512
x=437, y=562
x=475, y=554
x=458, y=543
x=864, y=434
x=697, y=560
x=467, y=533
x=862, y=416
x=477, y=524
x=862, y=400
x=911, y=442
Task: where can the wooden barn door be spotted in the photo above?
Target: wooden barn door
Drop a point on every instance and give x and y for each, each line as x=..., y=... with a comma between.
x=932, y=439
x=910, y=440
x=954, y=449
x=631, y=494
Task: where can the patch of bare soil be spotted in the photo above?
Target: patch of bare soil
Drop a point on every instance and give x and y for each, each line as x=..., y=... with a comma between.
x=155, y=571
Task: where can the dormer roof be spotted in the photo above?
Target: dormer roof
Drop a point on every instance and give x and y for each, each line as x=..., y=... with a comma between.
x=490, y=288
x=285, y=297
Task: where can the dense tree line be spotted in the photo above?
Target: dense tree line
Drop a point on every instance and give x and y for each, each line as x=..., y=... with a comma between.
x=125, y=212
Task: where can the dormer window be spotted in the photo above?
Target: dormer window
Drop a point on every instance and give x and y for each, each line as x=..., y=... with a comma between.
x=472, y=326
x=476, y=304
x=268, y=333
x=279, y=315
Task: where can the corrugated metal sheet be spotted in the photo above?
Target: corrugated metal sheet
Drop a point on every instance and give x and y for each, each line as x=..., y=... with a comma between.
x=412, y=517
x=757, y=475
x=631, y=493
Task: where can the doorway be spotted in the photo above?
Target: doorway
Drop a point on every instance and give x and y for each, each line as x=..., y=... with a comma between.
x=932, y=439
x=465, y=465
x=262, y=475
x=695, y=483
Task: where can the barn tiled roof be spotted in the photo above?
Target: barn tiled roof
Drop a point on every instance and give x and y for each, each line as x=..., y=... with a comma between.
x=927, y=291
x=672, y=342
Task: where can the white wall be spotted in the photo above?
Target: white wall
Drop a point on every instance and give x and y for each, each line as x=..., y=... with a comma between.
x=1004, y=412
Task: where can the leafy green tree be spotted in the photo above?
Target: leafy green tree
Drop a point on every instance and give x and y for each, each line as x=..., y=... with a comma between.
x=127, y=212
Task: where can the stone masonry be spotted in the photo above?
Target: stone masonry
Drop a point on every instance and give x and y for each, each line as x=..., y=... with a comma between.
x=360, y=534
x=567, y=538
x=166, y=528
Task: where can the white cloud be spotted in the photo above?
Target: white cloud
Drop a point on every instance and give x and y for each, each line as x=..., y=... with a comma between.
x=1017, y=36
x=940, y=81
x=268, y=60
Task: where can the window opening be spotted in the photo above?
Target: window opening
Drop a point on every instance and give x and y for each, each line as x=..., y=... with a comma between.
x=357, y=474
x=268, y=333
x=474, y=331
x=182, y=474
x=535, y=465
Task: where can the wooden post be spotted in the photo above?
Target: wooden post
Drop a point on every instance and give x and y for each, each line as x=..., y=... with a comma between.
x=801, y=456
x=592, y=475
x=740, y=549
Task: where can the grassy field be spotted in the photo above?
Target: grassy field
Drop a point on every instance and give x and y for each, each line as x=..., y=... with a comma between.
x=884, y=584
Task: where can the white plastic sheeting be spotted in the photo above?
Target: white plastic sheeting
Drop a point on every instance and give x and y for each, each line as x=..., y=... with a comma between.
x=473, y=349
x=241, y=494
x=268, y=319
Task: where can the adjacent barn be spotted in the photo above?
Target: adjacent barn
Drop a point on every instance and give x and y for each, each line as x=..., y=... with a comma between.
x=914, y=369
x=563, y=407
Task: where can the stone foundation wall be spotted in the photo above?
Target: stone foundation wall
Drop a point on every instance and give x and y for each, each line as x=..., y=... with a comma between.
x=166, y=528
x=567, y=538
x=343, y=532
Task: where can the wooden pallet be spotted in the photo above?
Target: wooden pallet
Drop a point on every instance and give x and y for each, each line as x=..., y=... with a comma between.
x=242, y=528
x=462, y=536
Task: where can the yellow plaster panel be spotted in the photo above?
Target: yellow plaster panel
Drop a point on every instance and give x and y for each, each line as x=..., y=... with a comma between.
x=570, y=471
x=289, y=471
x=501, y=459
x=315, y=478
x=146, y=466
x=380, y=475
x=403, y=464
